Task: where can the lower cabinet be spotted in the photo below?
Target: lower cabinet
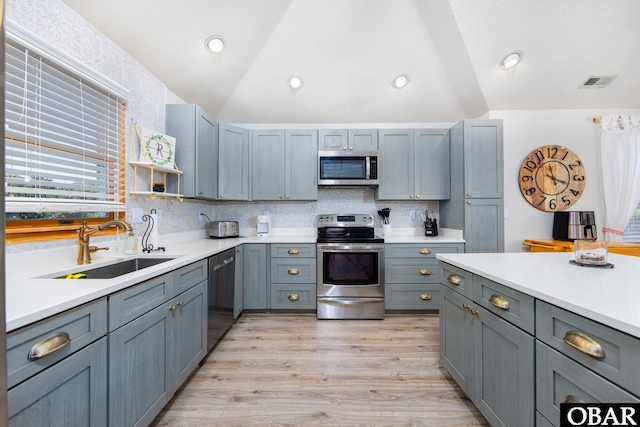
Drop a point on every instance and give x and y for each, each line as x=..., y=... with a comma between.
x=255, y=276
x=72, y=392
x=490, y=358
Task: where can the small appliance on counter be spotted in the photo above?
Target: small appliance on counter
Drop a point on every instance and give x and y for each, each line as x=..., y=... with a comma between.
x=430, y=225
x=223, y=229
x=264, y=225
x=574, y=225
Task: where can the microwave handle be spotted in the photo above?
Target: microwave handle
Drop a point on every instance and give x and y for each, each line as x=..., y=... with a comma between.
x=368, y=167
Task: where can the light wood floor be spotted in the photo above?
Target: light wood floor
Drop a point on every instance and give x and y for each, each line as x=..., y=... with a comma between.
x=294, y=370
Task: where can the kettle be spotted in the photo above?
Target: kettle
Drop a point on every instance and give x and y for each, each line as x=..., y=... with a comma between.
x=264, y=225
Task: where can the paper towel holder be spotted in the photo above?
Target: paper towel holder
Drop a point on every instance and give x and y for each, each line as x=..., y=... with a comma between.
x=146, y=246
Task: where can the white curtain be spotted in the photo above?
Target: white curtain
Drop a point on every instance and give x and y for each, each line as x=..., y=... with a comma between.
x=620, y=145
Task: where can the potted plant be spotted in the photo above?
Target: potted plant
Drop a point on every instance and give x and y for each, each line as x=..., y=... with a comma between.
x=158, y=186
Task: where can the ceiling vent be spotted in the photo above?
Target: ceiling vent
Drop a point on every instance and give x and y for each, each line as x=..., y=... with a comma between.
x=597, y=82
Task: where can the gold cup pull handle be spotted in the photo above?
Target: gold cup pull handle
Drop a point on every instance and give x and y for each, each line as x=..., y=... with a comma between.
x=425, y=297
x=293, y=251
x=293, y=297
x=474, y=312
x=585, y=344
x=425, y=271
x=453, y=279
x=573, y=399
x=499, y=301
x=293, y=271
x=48, y=345
x=425, y=251
x=466, y=306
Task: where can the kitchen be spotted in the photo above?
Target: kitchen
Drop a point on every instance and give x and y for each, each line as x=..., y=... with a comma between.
x=529, y=126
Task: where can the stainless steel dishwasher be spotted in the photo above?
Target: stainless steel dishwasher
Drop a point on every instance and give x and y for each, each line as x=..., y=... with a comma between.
x=221, y=286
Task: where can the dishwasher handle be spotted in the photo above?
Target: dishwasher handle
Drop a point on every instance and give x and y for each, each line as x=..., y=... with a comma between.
x=222, y=263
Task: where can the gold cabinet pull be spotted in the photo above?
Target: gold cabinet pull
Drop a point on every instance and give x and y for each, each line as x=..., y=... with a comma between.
x=499, y=301
x=425, y=271
x=173, y=307
x=425, y=297
x=293, y=251
x=585, y=344
x=293, y=297
x=425, y=251
x=466, y=306
x=474, y=312
x=573, y=399
x=49, y=345
x=453, y=279
x=293, y=271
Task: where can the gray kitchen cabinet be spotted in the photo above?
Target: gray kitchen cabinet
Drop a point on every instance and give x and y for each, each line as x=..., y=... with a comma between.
x=284, y=165
x=238, y=292
x=255, y=276
x=348, y=140
x=412, y=275
x=72, y=392
x=152, y=354
x=414, y=164
x=233, y=163
x=492, y=359
x=477, y=179
x=196, y=134
x=293, y=277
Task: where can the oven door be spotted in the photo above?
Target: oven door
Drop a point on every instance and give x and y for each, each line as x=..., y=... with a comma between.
x=350, y=270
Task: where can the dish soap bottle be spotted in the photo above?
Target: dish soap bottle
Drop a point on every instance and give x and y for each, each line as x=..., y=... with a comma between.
x=131, y=244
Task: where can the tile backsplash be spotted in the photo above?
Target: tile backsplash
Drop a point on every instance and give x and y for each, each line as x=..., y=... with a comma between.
x=59, y=25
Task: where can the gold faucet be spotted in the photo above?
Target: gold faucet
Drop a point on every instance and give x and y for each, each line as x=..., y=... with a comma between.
x=84, y=250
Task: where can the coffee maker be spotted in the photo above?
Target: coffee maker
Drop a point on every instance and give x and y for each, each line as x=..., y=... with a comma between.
x=574, y=225
x=264, y=225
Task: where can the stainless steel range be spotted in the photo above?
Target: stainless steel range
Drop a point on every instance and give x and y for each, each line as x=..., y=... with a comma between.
x=350, y=283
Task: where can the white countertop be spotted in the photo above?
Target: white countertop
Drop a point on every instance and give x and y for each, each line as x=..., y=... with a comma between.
x=608, y=296
x=32, y=294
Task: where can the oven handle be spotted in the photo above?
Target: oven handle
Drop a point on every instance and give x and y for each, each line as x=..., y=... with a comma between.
x=351, y=249
x=349, y=301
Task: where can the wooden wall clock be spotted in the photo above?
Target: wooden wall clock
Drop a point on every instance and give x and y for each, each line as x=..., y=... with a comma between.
x=552, y=178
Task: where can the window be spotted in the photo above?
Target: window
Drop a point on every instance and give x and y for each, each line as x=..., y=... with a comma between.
x=64, y=141
x=632, y=232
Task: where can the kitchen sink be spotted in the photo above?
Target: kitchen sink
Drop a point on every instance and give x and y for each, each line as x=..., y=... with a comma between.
x=112, y=270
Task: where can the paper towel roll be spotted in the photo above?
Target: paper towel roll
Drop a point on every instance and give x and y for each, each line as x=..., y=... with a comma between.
x=153, y=235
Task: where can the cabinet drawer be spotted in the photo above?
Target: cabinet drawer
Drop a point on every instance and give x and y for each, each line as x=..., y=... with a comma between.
x=411, y=270
x=293, y=296
x=419, y=250
x=293, y=251
x=511, y=305
x=411, y=296
x=293, y=270
x=188, y=276
x=133, y=302
x=457, y=279
x=558, y=378
x=619, y=361
x=83, y=325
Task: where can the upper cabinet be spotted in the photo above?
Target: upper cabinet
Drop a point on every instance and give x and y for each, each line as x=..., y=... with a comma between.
x=414, y=164
x=348, y=140
x=284, y=165
x=233, y=163
x=196, y=134
x=483, y=158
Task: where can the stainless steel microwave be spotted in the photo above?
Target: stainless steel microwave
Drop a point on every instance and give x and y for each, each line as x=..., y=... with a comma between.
x=348, y=168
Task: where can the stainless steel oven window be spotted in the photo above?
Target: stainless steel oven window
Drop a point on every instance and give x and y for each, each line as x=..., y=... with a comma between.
x=350, y=268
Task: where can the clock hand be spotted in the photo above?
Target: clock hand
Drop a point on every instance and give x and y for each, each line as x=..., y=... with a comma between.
x=553, y=178
x=551, y=171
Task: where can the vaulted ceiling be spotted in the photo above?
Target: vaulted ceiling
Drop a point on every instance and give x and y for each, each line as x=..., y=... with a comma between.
x=349, y=51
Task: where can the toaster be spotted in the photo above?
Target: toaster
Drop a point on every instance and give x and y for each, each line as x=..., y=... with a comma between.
x=223, y=229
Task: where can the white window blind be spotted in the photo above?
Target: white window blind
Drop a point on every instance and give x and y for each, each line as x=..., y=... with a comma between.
x=64, y=137
x=632, y=232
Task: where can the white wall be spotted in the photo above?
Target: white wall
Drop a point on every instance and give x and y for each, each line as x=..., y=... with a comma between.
x=526, y=130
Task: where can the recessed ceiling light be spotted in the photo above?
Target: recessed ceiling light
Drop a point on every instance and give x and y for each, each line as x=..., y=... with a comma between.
x=295, y=82
x=215, y=44
x=511, y=60
x=400, y=81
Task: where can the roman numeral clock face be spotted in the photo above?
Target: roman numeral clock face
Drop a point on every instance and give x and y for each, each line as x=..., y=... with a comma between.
x=552, y=178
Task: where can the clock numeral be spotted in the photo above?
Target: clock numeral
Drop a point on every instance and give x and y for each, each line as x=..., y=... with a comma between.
x=552, y=204
x=530, y=165
x=530, y=191
x=540, y=156
x=574, y=165
x=544, y=199
x=527, y=178
x=550, y=150
x=565, y=155
x=566, y=201
x=574, y=192
x=578, y=177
